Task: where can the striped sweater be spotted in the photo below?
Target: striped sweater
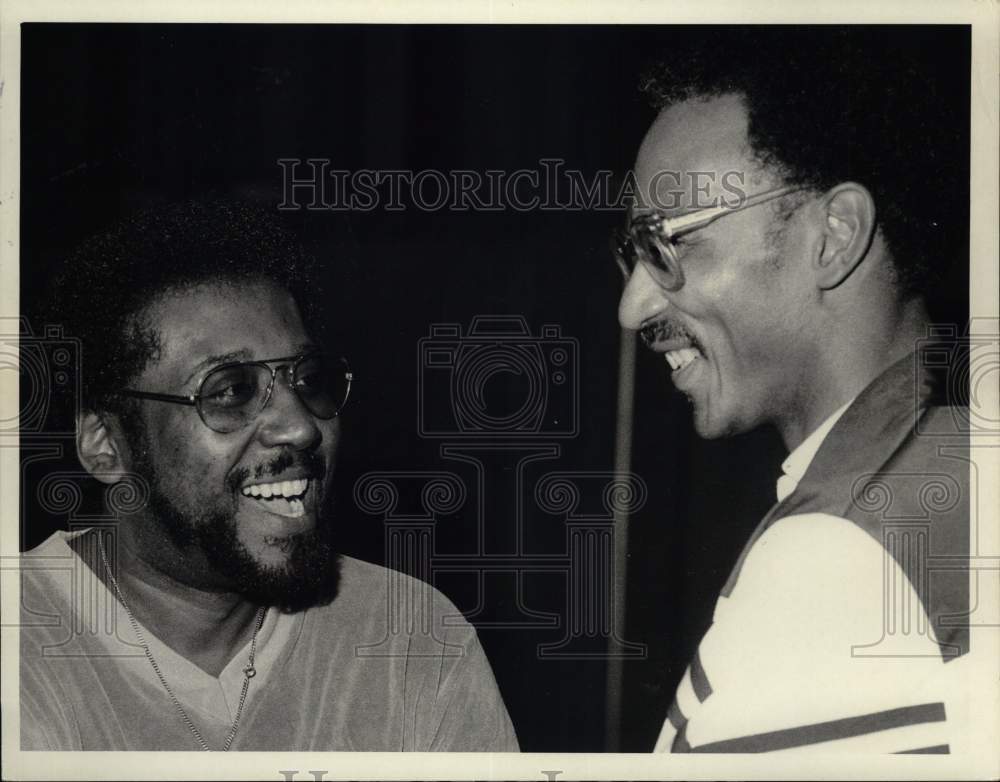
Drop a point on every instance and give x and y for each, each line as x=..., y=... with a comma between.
x=843, y=627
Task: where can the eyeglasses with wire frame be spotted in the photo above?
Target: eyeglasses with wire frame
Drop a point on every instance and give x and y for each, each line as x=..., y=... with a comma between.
x=232, y=395
x=649, y=238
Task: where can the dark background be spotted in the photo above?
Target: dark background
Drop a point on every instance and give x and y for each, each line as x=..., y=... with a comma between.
x=116, y=117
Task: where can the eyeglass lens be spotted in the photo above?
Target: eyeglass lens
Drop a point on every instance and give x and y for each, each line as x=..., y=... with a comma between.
x=232, y=396
x=639, y=245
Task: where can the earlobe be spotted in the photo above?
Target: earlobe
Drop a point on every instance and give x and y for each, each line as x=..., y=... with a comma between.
x=97, y=448
x=848, y=233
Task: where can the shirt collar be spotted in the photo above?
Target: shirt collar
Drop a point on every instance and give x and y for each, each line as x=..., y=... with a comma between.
x=798, y=461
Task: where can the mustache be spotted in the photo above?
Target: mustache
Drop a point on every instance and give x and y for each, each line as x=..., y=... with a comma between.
x=662, y=330
x=311, y=462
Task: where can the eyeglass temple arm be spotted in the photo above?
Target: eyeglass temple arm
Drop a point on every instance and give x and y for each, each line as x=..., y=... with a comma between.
x=180, y=400
x=703, y=217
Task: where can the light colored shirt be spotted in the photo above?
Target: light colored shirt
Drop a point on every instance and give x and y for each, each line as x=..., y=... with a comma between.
x=389, y=665
x=798, y=461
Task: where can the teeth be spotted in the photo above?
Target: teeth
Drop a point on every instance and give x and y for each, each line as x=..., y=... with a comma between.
x=678, y=359
x=285, y=489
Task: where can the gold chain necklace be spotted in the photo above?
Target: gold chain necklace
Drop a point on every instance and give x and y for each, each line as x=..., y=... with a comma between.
x=248, y=670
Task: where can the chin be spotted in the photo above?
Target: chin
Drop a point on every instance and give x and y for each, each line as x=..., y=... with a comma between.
x=290, y=571
x=712, y=432
x=292, y=580
x=715, y=427
x=272, y=555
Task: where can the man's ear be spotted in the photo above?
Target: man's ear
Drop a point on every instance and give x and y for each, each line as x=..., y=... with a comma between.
x=99, y=448
x=847, y=233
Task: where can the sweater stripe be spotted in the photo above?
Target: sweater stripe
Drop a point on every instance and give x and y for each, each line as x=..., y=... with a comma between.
x=699, y=680
x=829, y=731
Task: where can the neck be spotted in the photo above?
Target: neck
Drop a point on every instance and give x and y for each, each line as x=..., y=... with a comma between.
x=206, y=627
x=845, y=365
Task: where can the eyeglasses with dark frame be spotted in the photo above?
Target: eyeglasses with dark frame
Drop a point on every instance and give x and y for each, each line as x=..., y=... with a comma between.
x=650, y=236
x=231, y=396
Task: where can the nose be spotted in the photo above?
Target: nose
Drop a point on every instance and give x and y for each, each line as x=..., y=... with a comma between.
x=285, y=420
x=642, y=299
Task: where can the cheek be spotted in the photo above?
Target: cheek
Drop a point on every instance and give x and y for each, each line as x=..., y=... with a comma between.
x=723, y=297
x=723, y=277
x=183, y=452
x=740, y=315
x=331, y=438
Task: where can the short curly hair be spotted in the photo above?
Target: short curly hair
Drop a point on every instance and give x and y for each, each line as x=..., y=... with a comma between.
x=884, y=106
x=103, y=288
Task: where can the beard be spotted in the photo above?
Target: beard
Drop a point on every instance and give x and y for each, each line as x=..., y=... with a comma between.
x=309, y=576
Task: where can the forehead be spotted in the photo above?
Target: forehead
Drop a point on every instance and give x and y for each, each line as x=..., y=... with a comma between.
x=223, y=322
x=696, y=143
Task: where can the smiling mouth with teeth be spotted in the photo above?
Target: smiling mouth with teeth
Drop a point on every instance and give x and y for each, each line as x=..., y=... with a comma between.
x=285, y=498
x=662, y=332
x=678, y=359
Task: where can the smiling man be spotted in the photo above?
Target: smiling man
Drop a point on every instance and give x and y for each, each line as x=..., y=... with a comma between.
x=211, y=411
x=799, y=192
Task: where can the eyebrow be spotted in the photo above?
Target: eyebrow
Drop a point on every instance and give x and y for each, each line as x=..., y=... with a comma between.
x=238, y=355
x=222, y=358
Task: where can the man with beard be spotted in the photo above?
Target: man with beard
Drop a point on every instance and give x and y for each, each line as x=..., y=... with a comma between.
x=799, y=193
x=211, y=412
